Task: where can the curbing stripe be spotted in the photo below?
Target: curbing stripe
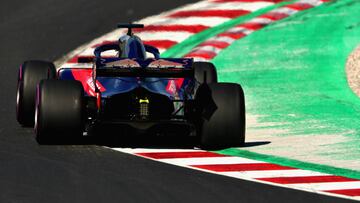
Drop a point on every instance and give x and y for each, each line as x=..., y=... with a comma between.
x=147, y=150
x=209, y=48
x=253, y=170
x=300, y=6
x=348, y=192
x=172, y=28
x=210, y=13
x=209, y=160
x=215, y=43
x=307, y=179
x=273, y=173
x=177, y=36
x=328, y=186
x=274, y=16
x=242, y=167
x=165, y=44
x=205, y=21
x=246, y=28
x=174, y=155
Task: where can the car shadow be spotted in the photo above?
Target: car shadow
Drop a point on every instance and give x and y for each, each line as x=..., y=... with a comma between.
x=144, y=141
x=149, y=141
x=254, y=144
x=129, y=141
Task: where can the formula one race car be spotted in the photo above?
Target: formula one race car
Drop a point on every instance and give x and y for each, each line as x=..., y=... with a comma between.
x=131, y=90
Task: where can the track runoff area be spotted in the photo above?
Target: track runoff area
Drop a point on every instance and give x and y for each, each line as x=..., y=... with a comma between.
x=171, y=28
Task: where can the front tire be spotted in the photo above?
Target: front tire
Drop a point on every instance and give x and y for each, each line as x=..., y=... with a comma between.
x=59, y=110
x=225, y=126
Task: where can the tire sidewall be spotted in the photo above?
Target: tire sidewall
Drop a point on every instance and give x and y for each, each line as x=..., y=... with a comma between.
x=226, y=126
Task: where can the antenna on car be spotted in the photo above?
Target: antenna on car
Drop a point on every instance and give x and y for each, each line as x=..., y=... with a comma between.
x=129, y=26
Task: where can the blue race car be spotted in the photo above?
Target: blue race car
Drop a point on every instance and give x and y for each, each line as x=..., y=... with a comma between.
x=131, y=90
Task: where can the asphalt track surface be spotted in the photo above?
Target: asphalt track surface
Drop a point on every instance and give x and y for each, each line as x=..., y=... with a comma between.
x=41, y=29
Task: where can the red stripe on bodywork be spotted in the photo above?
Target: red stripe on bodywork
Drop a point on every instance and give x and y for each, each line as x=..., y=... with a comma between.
x=165, y=44
x=85, y=77
x=242, y=167
x=173, y=155
x=179, y=82
x=210, y=13
x=173, y=28
x=73, y=60
x=89, y=58
x=348, y=192
x=307, y=179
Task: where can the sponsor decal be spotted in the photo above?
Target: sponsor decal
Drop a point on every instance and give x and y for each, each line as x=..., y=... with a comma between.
x=174, y=85
x=161, y=63
x=127, y=63
x=171, y=87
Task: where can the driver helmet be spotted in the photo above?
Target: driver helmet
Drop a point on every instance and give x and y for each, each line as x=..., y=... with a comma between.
x=122, y=44
x=131, y=47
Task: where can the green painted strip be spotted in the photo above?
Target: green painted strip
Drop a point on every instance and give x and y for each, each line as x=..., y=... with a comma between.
x=185, y=46
x=291, y=163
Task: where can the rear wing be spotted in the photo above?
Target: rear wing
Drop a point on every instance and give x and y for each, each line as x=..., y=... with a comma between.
x=169, y=67
x=130, y=27
x=145, y=72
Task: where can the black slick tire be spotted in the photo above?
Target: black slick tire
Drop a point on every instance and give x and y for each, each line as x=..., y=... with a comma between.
x=30, y=74
x=225, y=126
x=59, y=110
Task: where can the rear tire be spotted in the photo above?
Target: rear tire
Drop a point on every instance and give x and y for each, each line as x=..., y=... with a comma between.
x=225, y=127
x=206, y=68
x=30, y=74
x=59, y=110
